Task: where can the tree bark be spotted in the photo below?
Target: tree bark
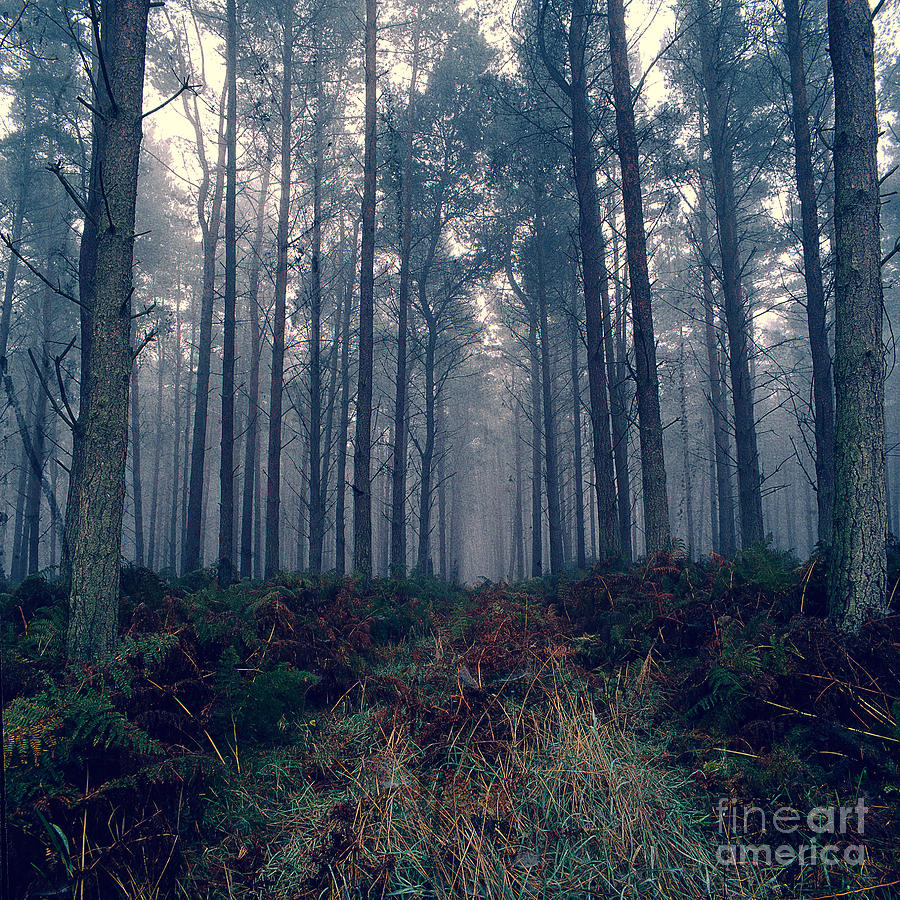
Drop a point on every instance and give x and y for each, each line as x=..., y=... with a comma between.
x=537, y=528
x=340, y=548
x=685, y=458
x=578, y=474
x=251, y=447
x=518, y=555
x=273, y=475
x=427, y=453
x=362, y=456
x=93, y=617
x=316, y=497
x=653, y=466
x=399, y=453
x=617, y=378
x=209, y=226
x=226, y=455
x=858, y=565
x=593, y=269
x=551, y=462
x=812, y=273
x=725, y=544
x=721, y=149
x=136, y=483
x=154, y=486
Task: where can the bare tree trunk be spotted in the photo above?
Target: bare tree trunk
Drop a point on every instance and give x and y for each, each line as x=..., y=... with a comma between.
x=273, y=477
x=94, y=598
x=617, y=377
x=858, y=565
x=176, y=445
x=686, y=457
x=226, y=455
x=251, y=447
x=189, y=393
x=812, y=273
x=427, y=453
x=136, y=485
x=38, y=457
x=442, y=511
x=19, y=563
x=749, y=480
x=713, y=491
x=362, y=457
x=580, y=552
x=518, y=555
x=537, y=531
x=593, y=269
x=157, y=454
x=316, y=498
x=551, y=462
x=31, y=547
x=399, y=455
x=340, y=549
x=9, y=284
x=653, y=466
x=192, y=534
x=725, y=543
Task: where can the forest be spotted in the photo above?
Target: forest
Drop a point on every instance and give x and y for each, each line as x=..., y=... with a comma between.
x=449, y=450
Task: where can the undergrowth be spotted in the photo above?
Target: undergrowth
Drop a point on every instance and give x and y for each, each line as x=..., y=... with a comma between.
x=322, y=737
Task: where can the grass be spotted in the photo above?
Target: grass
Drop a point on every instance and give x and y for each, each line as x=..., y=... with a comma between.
x=557, y=741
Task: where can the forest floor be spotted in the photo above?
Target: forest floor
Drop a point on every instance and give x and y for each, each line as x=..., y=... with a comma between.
x=616, y=734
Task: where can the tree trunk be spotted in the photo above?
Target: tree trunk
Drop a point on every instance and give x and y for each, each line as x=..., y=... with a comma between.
x=580, y=552
x=19, y=563
x=749, y=481
x=593, y=270
x=685, y=455
x=427, y=454
x=399, y=455
x=176, y=445
x=653, y=466
x=226, y=455
x=93, y=617
x=31, y=546
x=617, y=377
x=726, y=540
x=537, y=530
x=340, y=548
x=362, y=456
x=551, y=462
x=316, y=498
x=518, y=556
x=192, y=535
x=273, y=475
x=136, y=485
x=154, y=486
x=812, y=273
x=858, y=565
x=251, y=447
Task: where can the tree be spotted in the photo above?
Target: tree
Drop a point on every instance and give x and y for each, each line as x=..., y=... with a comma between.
x=653, y=466
x=209, y=228
x=858, y=564
x=812, y=273
x=276, y=391
x=593, y=266
x=715, y=70
x=226, y=457
x=100, y=499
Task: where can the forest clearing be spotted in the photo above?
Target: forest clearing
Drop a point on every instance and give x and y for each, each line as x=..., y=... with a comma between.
x=449, y=450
